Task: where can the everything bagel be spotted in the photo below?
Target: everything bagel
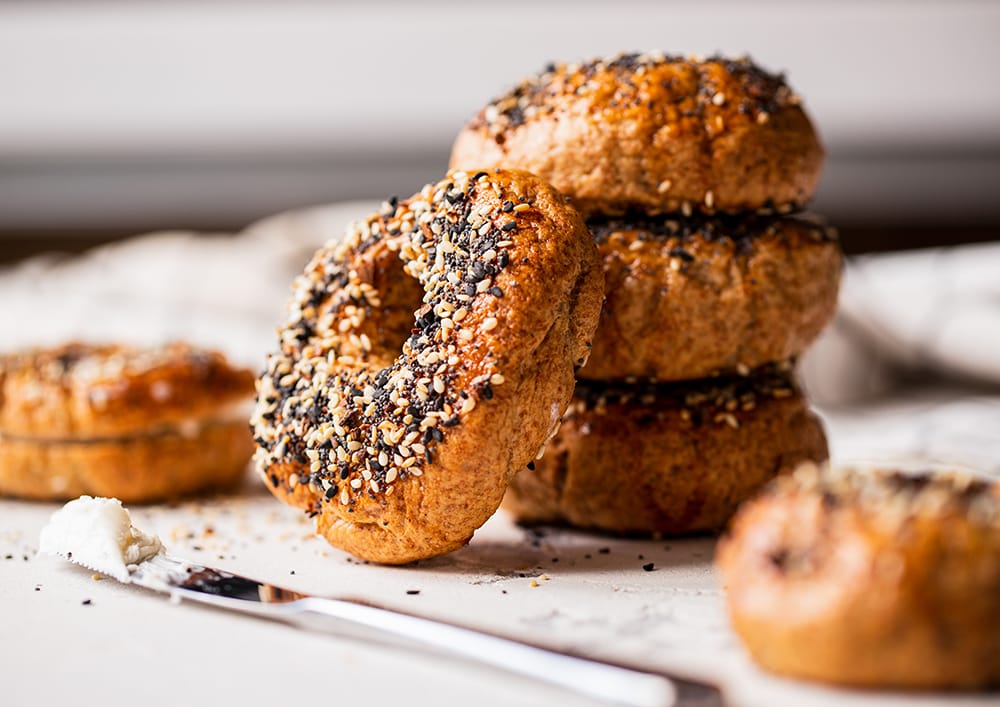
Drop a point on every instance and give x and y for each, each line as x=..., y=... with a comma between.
x=688, y=298
x=426, y=358
x=653, y=133
x=674, y=459
x=137, y=423
x=869, y=578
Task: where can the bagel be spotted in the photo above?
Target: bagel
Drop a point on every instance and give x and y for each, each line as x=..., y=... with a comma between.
x=874, y=579
x=688, y=298
x=653, y=133
x=136, y=423
x=676, y=459
x=426, y=357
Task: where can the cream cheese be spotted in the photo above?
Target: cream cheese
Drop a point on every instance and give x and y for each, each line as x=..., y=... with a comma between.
x=98, y=533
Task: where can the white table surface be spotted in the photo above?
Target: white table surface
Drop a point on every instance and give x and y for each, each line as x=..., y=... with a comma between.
x=564, y=589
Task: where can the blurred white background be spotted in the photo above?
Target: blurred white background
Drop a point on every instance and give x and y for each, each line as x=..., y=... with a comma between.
x=124, y=116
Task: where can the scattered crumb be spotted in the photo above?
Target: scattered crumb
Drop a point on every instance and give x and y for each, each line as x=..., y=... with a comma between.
x=86, y=602
x=97, y=577
x=604, y=550
x=533, y=583
x=648, y=567
x=413, y=591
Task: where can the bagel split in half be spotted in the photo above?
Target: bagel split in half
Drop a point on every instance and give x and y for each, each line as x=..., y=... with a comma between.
x=139, y=424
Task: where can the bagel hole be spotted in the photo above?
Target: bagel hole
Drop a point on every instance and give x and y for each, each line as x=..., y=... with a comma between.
x=401, y=296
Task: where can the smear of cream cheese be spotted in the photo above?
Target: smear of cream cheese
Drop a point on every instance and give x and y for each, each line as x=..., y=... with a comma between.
x=98, y=533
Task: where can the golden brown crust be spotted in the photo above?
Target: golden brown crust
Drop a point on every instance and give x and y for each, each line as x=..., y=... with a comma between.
x=691, y=297
x=138, y=469
x=138, y=424
x=511, y=289
x=667, y=459
x=86, y=391
x=653, y=133
x=869, y=579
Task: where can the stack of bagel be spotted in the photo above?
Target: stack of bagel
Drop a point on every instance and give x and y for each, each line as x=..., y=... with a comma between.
x=692, y=175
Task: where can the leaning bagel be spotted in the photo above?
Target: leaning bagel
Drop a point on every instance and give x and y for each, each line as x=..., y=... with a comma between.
x=426, y=358
x=653, y=133
x=691, y=297
x=873, y=579
x=136, y=423
x=674, y=459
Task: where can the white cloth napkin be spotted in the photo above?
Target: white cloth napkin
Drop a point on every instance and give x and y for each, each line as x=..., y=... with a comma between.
x=223, y=291
x=920, y=313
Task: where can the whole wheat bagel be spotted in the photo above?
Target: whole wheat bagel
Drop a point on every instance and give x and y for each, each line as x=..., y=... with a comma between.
x=671, y=459
x=136, y=423
x=653, y=133
x=426, y=358
x=876, y=579
x=688, y=298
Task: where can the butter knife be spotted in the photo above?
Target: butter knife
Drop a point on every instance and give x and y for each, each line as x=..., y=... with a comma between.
x=355, y=618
